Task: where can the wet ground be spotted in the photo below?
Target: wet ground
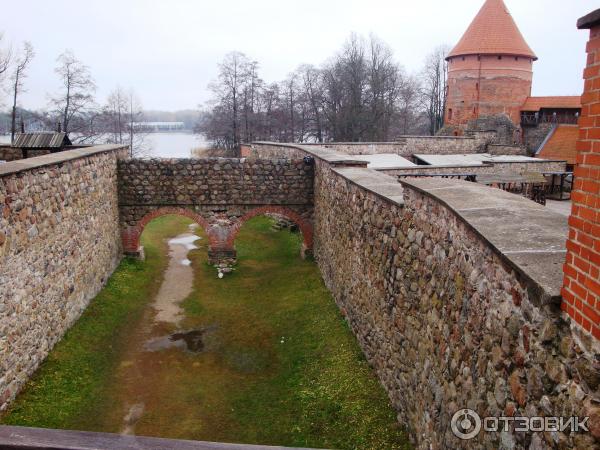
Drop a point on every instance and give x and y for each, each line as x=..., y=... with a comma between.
x=261, y=356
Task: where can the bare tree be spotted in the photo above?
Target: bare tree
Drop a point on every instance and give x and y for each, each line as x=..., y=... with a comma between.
x=136, y=136
x=312, y=95
x=435, y=76
x=76, y=97
x=115, y=112
x=227, y=90
x=122, y=115
x=18, y=75
x=5, y=56
x=360, y=94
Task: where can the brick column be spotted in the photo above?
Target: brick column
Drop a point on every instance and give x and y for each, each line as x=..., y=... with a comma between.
x=581, y=287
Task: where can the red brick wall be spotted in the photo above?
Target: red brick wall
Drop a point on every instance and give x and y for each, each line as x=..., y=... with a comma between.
x=581, y=289
x=486, y=86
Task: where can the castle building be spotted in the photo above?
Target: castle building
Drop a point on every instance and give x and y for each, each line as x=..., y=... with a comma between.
x=490, y=73
x=490, y=70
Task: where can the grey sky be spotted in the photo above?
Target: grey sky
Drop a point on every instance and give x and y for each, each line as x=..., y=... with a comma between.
x=169, y=50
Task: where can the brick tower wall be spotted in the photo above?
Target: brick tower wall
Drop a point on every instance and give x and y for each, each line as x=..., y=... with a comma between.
x=581, y=288
x=480, y=86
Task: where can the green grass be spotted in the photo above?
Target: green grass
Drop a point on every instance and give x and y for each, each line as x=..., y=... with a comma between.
x=280, y=366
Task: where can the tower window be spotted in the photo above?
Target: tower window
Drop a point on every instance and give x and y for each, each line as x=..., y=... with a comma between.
x=499, y=56
x=450, y=114
x=516, y=58
x=463, y=58
x=476, y=86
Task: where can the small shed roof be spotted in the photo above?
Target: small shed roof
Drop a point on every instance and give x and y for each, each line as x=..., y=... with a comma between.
x=44, y=139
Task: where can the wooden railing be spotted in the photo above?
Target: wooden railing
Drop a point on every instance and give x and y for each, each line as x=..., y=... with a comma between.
x=533, y=119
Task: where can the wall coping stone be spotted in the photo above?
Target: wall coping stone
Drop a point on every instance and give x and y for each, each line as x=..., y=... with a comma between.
x=376, y=182
x=322, y=153
x=24, y=165
x=527, y=236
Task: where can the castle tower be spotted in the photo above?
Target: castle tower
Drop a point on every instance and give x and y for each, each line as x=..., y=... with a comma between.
x=490, y=69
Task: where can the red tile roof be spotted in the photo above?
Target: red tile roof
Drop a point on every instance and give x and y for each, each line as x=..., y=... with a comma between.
x=493, y=31
x=537, y=103
x=561, y=144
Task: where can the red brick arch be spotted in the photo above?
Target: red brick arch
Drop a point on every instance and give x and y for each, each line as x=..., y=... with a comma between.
x=131, y=235
x=305, y=227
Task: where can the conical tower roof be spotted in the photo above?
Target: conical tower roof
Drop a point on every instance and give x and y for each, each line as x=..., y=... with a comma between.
x=493, y=31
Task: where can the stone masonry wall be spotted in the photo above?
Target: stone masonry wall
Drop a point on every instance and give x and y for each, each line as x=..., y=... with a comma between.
x=59, y=243
x=444, y=319
x=218, y=193
x=212, y=185
x=533, y=136
x=409, y=145
x=8, y=153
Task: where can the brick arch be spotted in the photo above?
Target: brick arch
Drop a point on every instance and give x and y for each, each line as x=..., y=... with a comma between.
x=305, y=227
x=131, y=235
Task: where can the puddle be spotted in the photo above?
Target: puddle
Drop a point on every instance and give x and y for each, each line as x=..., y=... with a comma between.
x=192, y=341
x=178, y=280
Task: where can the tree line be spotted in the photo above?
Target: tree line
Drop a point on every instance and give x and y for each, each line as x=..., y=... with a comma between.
x=73, y=108
x=359, y=94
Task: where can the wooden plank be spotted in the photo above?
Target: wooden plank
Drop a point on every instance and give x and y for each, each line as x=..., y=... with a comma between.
x=25, y=438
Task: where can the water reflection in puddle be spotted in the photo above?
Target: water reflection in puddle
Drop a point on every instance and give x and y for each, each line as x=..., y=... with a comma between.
x=192, y=341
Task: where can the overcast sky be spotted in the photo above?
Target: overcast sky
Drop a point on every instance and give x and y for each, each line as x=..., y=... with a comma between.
x=169, y=50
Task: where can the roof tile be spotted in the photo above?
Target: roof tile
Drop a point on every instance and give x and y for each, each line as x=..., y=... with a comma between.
x=555, y=102
x=493, y=31
x=561, y=144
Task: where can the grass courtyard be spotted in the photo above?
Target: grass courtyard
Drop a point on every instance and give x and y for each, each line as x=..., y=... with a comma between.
x=276, y=363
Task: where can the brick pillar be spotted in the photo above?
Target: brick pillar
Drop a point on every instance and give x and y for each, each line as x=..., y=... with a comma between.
x=581, y=287
x=131, y=237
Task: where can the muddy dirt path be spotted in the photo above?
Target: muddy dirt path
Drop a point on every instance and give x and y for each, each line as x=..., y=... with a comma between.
x=141, y=373
x=178, y=279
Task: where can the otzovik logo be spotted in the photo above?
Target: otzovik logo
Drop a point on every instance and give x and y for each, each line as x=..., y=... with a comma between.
x=467, y=424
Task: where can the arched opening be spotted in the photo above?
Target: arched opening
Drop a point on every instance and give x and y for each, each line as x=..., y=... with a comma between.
x=131, y=235
x=304, y=226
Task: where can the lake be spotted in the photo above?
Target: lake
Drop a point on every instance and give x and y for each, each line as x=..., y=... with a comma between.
x=162, y=145
x=172, y=145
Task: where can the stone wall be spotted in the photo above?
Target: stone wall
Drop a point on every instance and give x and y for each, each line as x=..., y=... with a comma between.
x=9, y=153
x=410, y=145
x=533, y=136
x=405, y=146
x=59, y=243
x=454, y=306
x=502, y=149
